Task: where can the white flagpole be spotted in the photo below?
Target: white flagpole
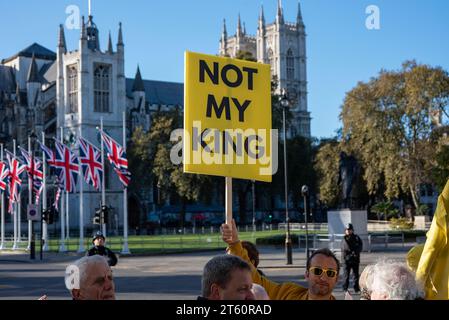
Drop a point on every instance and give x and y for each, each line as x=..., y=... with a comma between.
x=19, y=213
x=80, y=174
x=67, y=218
x=125, y=249
x=19, y=220
x=61, y=211
x=103, y=183
x=2, y=242
x=44, y=196
x=30, y=194
x=14, y=208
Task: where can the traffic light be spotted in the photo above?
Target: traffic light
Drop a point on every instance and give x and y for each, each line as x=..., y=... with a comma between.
x=105, y=214
x=45, y=215
x=48, y=215
x=97, y=217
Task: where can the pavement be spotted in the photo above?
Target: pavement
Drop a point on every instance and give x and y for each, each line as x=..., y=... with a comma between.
x=160, y=277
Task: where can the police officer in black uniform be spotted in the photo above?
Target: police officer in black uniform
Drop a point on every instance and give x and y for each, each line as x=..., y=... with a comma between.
x=351, y=246
x=98, y=241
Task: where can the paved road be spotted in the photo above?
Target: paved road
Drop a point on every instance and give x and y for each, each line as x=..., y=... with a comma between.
x=171, y=277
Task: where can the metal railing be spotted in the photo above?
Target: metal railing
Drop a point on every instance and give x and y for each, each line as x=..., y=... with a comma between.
x=333, y=241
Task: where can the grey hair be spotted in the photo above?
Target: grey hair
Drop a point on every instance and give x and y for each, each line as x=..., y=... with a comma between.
x=219, y=269
x=80, y=266
x=395, y=280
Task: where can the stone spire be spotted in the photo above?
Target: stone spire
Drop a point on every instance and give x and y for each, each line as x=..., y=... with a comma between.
x=239, y=27
x=110, y=50
x=61, y=40
x=120, y=35
x=261, y=18
x=138, y=82
x=299, y=20
x=280, y=14
x=83, y=29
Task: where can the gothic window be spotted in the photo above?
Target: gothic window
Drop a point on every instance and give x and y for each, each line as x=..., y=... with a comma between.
x=271, y=61
x=102, y=88
x=72, y=75
x=290, y=65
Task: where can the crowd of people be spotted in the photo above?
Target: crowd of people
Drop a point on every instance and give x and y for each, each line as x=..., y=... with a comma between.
x=235, y=274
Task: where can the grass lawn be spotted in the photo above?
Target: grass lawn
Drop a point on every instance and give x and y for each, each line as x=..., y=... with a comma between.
x=154, y=244
x=175, y=243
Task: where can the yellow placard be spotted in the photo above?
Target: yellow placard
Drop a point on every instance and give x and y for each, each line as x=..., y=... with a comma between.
x=227, y=117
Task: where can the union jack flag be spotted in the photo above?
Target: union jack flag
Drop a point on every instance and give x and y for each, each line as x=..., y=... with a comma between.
x=90, y=159
x=57, y=196
x=66, y=164
x=4, y=174
x=117, y=157
x=49, y=154
x=15, y=170
x=124, y=176
x=35, y=173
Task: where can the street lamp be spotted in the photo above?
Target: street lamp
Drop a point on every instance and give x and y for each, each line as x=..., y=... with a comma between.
x=305, y=193
x=283, y=99
x=32, y=142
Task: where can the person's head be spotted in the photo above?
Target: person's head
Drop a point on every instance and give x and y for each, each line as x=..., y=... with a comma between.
x=94, y=279
x=98, y=239
x=259, y=292
x=349, y=229
x=393, y=280
x=227, y=277
x=253, y=253
x=322, y=273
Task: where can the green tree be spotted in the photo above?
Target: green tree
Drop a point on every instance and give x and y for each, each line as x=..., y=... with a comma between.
x=170, y=177
x=388, y=123
x=327, y=168
x=245, y=55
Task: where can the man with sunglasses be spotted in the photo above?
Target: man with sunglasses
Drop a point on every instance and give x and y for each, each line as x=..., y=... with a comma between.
x=322, y=271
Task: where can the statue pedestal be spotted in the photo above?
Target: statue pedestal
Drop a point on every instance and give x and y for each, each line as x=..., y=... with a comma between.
x=339, y=219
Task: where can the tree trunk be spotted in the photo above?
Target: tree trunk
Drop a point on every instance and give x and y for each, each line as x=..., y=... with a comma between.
x=414, y=196
x=415, y=200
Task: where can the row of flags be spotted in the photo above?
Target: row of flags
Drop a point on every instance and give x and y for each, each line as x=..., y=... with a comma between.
x=66, y=165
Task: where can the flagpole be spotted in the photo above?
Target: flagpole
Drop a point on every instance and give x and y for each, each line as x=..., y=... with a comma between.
x=19, y=213
x=80, y=174
x=30, y=194
x=44, y=233
x=61, y=215
x=67, y=220
x=14, y=208
x=103, y=182
x=2, y=241
x=125, y=249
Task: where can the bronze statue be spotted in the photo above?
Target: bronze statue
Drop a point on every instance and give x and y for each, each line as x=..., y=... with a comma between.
x=348, y=171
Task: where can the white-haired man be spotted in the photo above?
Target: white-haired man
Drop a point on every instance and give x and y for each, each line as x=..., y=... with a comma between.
x=90, y=278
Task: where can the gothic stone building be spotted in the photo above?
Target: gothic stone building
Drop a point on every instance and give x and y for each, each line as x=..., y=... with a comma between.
x=283, y=46
x=44, y=91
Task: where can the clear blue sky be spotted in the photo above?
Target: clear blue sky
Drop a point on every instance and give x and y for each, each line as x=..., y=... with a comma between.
x=341, y=50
